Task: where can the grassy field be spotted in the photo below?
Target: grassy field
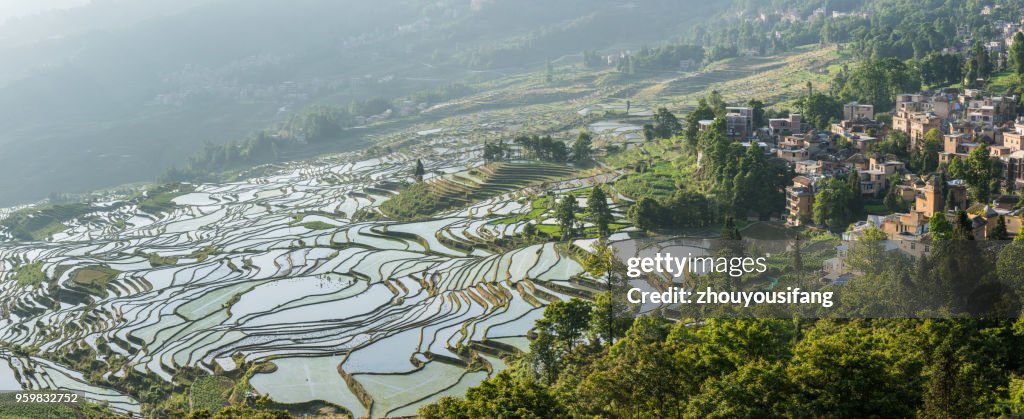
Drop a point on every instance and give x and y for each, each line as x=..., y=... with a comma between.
x=1003, y=81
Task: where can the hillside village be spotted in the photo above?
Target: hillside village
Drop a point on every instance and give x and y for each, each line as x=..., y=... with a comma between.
x=962, y=131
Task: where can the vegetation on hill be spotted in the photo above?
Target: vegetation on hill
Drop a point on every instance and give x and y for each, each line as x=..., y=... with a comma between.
x=38, y=223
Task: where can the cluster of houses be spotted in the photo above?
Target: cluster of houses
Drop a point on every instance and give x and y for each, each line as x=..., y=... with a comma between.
x=997, y=46
x=964, y=119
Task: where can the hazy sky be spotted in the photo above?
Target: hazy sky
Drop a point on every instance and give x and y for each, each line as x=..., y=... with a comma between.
x=16, y=8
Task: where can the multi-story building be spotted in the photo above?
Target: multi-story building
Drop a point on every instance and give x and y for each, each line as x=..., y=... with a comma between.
x=800, y=201
x=854, y=111
x=916, y=124
x=739, y=122
x=1013, y=170
x=956, y=145
x=786, y=126
x=875, y=180
x=792, y=153
x=855, y=127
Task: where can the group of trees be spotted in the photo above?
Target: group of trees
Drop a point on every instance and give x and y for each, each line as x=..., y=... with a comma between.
x=664, y=125
x=257, y=149
x=598, y=212
x=315, y=124
x=820, y=110
x=707, y=108
x=684, y=209
x=938, y=69
x=744, y=180
x=754, y=368
x=979, y=65
x=876, y=82
x=667, y=57
x=543, y=148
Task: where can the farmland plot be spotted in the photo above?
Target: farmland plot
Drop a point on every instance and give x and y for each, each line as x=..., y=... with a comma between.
x=374, y=316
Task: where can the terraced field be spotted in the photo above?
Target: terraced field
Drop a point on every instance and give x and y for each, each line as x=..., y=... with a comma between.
x=495, y=179
x=377, y=317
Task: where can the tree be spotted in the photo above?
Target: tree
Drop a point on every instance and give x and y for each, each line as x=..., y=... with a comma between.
x=419, y=171
x=999, y=231
x=879, y=81
x=978, y=170
x=494, y=151
x=925, y=158
x=598, y=210
x=758, y=184
x=941, y=69
x=896, y=143
x=1010, y=265
x=260, y=410
x=545, y=356
x=1017, y=54
x=567, y=320
x=893, y=200
x=502, y=396
x=963, y=229
x=610, y=316
x=543, y=148
x=566, y=215
x=637, y=375
x=757, y=389
x=832, y=204
x=856, y=197
x=852, y=370
x=645, y=214
x=649, y=133
x=947, y=393
x=549, y=71
x=758, y=108
x=666, y=125
x=581, y=148
x=940, y=227
x=820, y=110
x=729, y=230
x=702, y=112
x=798, y=259
x=448, y=407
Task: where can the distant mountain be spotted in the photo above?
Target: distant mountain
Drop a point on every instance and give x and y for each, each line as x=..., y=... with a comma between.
x=117, y=91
